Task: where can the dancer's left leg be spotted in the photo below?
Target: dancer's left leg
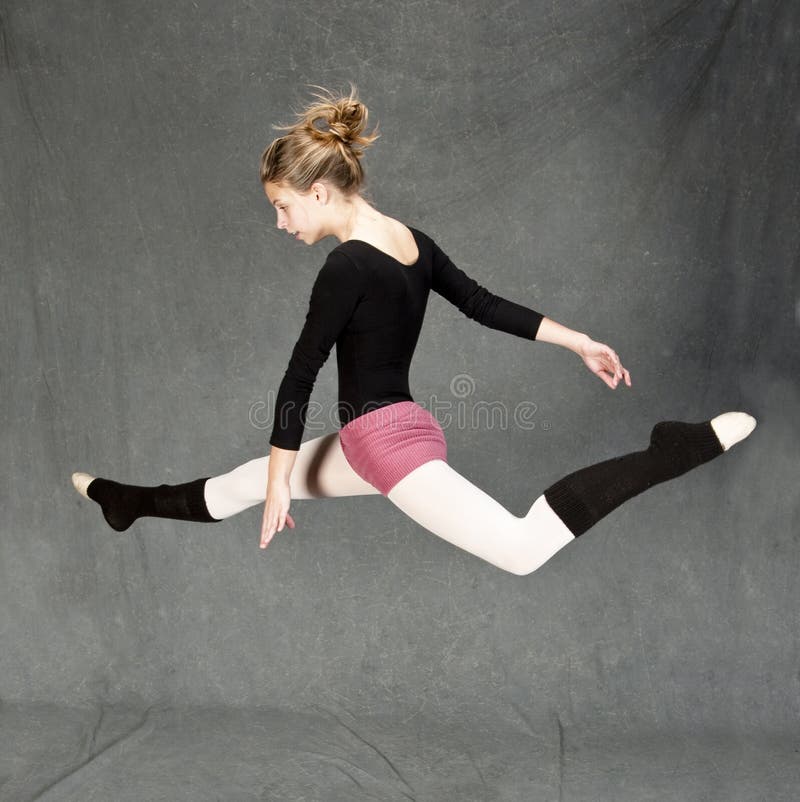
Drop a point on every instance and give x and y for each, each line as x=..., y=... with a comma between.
x=449, y=505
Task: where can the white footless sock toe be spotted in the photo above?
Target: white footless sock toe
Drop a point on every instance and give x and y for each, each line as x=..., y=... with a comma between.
x=731, y=427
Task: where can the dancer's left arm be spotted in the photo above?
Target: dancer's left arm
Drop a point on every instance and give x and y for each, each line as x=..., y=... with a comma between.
x=601, y=359
x=499, y=313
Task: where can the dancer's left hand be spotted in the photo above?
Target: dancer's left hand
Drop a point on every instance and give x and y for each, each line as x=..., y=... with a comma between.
x=603, y=362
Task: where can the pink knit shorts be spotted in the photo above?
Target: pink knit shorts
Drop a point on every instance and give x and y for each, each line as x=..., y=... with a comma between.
x=387, y=443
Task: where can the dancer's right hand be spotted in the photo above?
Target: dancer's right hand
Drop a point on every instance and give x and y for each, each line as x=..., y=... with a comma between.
x=276, y=511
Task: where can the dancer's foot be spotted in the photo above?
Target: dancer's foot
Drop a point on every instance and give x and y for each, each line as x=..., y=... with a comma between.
x=732, y=427
x=82, y=481
x=120, y=503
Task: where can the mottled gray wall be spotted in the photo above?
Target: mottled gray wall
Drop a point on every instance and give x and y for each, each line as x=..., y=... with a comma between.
x=628, y=169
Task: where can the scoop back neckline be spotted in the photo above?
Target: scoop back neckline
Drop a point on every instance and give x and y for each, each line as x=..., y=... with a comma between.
x=388, y=255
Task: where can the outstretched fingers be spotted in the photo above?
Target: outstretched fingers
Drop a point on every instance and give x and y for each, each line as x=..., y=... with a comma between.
x=616, y=372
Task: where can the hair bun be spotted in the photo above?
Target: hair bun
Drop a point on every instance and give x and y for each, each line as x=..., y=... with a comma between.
x=341, y=119
x=341, y=128
x=327, y=140
x=352, y=117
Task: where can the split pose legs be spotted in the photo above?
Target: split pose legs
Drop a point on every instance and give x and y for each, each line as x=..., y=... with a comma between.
x=437, y=497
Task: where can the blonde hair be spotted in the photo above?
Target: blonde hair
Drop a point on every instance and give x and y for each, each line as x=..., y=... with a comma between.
x=332, y=152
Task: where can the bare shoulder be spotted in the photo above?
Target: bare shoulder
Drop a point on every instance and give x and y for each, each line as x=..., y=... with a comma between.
x=400, y=240
x=404, y=242
x=391, y=236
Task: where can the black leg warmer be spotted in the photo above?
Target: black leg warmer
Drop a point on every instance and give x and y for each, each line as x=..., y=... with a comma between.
x=123, y=504
x=582, y=498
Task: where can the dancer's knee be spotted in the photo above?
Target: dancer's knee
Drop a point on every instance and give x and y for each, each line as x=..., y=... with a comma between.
x=235, y=491
x=525, y=564
x=544, y=534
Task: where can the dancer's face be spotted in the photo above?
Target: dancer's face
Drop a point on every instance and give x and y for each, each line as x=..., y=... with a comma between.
x=298, y=213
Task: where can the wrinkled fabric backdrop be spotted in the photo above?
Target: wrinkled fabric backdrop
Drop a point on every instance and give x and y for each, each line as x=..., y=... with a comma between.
x=629, y=169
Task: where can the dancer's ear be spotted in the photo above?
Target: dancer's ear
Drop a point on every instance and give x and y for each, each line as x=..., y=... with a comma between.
x=321, y=193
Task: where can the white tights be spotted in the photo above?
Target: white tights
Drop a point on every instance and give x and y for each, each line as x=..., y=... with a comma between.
x=434, y=495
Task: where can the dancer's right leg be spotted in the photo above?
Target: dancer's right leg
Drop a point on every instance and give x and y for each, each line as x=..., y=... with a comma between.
x=320, y=471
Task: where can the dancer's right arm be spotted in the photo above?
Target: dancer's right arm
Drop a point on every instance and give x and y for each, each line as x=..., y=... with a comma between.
x=334, y=297
x=278, y=497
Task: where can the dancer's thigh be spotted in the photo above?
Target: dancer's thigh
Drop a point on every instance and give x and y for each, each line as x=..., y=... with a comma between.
x=447, y=504
x=320, y=471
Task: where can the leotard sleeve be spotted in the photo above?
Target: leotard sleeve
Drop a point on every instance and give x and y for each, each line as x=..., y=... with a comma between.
x=478, y=303
x=334, y=296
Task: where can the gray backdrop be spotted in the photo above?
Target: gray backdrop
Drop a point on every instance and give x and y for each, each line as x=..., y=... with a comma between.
x=630, y=170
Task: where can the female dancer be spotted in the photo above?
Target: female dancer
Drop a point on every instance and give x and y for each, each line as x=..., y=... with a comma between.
x=369, y=299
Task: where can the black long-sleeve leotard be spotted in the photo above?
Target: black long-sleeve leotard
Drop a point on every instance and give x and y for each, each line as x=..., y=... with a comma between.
x=372, y=307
